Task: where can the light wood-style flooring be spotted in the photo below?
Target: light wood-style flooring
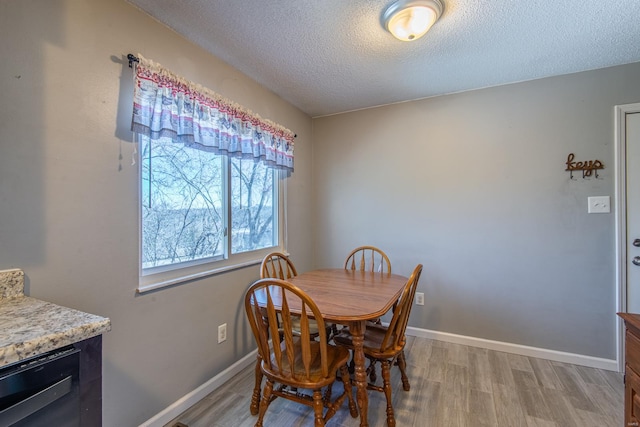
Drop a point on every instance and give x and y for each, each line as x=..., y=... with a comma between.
x=451, y=385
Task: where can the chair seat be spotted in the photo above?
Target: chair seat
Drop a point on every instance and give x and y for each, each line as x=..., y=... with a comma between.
x=336, y=357
x=373, y=337
x=295, y=326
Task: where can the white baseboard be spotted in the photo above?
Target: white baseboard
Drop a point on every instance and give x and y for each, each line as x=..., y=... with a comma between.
x=184, y=403
x=523, y=350
x=190, y=399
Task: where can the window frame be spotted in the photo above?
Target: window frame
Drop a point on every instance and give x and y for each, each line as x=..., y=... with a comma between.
x=155, y=278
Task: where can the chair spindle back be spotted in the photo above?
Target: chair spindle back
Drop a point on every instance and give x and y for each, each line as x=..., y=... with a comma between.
x=270, y=305
x=278, y=266
x=395, y=335
x=368, y=258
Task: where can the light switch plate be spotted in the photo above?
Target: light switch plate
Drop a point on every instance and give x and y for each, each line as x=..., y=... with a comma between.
x=600, y=204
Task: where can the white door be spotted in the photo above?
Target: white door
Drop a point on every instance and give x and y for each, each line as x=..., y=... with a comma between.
x=632, y=132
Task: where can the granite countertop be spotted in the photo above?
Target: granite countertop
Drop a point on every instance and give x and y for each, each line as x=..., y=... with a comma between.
x=29, y=326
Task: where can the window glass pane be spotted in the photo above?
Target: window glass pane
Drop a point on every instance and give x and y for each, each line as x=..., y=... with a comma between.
x=253, y=206
x=182, y=203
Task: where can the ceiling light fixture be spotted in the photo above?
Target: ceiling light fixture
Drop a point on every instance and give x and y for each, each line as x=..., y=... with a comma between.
x=409, y=20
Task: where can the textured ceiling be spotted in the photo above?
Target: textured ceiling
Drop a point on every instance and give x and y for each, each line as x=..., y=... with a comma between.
x=332, y=56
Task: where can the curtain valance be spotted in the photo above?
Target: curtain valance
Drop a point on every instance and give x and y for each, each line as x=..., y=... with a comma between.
x=168, y=106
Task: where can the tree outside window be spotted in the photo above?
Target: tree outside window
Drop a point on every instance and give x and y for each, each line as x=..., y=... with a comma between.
x=191, y=197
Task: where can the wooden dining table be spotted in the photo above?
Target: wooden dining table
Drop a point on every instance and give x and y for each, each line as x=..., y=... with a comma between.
x=352, y=297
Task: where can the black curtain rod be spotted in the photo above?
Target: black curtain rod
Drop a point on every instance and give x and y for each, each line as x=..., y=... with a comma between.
x=132, y=58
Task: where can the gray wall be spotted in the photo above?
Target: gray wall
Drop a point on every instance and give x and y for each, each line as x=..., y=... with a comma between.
x=473, y=185
x=69, y=194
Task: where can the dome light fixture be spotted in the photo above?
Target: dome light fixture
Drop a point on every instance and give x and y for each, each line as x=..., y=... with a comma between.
x=409, y=20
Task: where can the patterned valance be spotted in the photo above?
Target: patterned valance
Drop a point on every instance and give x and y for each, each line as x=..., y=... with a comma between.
x=168, y=106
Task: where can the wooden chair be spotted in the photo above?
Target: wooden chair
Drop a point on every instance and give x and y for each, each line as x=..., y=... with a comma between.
x=368, y=258
x=291, y=362
x=277, y=265
x=386, y=344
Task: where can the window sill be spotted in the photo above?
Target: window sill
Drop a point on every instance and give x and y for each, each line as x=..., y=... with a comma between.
x=148, y=287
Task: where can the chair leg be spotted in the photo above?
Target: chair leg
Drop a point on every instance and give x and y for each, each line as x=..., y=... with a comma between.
x=346, y=381
x=402, y=364
x=255, y=397
x=329, y=329
x=352, y=364
x=318, y=407
x=327, y=393
x=386, y=377
x=371, y=370
x=264, y=403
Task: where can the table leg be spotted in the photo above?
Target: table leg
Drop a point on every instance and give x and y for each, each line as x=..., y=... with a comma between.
x=357, y=337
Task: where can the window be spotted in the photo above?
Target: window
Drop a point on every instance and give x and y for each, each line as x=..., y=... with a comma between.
x=253, y=213
x=211, y=179
x=201, y=212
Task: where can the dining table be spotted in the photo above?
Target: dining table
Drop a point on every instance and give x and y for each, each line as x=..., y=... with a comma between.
x=351, y=298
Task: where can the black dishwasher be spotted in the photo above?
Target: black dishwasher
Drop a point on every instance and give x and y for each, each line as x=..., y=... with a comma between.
x=42, y=391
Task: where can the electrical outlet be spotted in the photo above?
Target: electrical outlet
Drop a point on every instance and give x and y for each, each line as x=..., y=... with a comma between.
x=222, y=333
x=420, y=298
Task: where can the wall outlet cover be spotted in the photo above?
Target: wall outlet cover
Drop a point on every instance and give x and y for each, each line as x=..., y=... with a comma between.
x=222, y=333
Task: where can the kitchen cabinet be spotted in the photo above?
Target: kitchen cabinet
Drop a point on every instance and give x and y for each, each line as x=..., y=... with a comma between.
x=34, y=332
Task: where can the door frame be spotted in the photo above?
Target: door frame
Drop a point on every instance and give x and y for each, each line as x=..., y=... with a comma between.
x=620, y=159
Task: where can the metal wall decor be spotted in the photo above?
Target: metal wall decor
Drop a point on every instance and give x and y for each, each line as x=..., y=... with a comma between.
x=587, y=167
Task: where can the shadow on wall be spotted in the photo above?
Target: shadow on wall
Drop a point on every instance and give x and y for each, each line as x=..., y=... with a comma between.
x=125, y=107
x=243, y=339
